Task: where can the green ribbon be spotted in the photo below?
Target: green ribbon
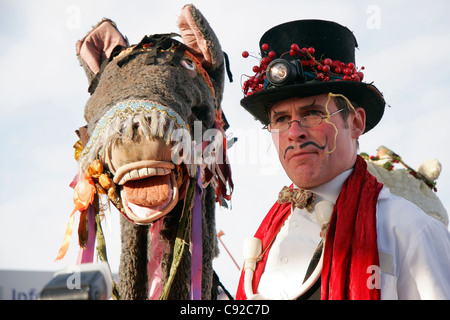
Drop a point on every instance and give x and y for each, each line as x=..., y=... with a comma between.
x=180, y=240
x=101, y=246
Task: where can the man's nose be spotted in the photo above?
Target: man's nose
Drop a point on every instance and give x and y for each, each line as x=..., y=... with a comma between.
x=297, y=131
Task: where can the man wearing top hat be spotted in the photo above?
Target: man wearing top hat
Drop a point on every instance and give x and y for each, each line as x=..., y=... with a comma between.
x=369, y=243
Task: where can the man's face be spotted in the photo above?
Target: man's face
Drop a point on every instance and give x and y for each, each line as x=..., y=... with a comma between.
x=314, y=156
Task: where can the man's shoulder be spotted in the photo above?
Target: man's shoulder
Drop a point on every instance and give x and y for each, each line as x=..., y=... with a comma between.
x=387, y=198
x=396, y=212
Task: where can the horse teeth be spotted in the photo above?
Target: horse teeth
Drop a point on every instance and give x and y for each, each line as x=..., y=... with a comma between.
x=143, y=172
x=136, y=174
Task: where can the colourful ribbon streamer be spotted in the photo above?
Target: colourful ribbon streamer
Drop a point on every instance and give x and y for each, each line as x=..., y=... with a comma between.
x=83, y=197
x=86, y=255
x=196, y=242
x=154, y=265
x=180, y=240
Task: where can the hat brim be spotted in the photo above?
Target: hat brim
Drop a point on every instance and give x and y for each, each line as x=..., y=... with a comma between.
x=365, y=95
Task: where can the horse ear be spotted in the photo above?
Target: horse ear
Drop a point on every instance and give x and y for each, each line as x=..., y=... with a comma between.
x=199, y=37
x=202, y=42
x=98, y=45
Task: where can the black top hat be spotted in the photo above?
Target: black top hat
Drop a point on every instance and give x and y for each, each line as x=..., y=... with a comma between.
x=306, y=58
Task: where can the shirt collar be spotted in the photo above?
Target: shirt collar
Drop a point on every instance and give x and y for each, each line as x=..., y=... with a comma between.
x=330, y=190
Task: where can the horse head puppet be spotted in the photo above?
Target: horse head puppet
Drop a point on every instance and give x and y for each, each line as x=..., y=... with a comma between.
x=154, y=146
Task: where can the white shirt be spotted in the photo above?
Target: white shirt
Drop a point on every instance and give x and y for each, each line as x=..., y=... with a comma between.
x=414, y=249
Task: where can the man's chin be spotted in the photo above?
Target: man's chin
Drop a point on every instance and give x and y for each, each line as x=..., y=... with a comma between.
x=304, y=176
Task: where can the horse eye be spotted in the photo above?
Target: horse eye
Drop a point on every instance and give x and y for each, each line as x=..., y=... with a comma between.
x=188, y=64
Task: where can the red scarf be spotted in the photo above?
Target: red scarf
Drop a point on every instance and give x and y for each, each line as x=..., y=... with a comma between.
x=351, y=244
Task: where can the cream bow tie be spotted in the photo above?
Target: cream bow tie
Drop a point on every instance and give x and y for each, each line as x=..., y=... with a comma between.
x=299, y=198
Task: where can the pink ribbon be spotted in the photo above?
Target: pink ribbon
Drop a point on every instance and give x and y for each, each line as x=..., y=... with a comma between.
x=154, y=266
x=197, y=245
x=87, y=255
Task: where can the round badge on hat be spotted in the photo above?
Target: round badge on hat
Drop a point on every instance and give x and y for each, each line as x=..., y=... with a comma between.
x=306, y=58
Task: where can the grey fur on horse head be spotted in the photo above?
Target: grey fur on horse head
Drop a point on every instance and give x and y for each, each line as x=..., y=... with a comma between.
x=141, y=97
x=138, y=79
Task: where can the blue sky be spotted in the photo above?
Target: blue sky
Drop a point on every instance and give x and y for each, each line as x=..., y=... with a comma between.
x=403, y=45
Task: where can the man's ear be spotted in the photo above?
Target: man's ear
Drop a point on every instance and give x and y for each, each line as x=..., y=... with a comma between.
x=357, y=120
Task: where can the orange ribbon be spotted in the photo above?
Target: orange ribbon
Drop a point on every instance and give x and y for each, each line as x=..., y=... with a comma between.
x=83, y=197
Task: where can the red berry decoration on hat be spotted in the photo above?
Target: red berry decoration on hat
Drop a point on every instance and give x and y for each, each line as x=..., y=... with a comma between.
x=321, y=70
x=256, y=83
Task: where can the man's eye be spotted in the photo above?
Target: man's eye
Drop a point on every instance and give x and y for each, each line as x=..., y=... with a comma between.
x=280, y=119
x=314, y=113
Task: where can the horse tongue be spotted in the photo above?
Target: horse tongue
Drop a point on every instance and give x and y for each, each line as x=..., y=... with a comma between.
x=148, y=192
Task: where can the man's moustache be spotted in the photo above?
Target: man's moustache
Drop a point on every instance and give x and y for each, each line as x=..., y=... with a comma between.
x=304, y=145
